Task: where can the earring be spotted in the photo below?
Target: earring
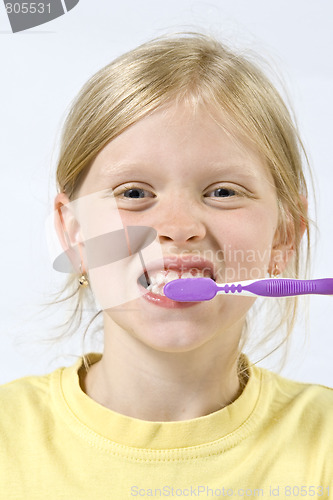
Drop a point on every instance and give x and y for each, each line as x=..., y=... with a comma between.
x=275, y=272
x=83, y=280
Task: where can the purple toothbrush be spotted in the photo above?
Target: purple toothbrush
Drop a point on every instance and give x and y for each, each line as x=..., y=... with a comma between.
x=198, y=289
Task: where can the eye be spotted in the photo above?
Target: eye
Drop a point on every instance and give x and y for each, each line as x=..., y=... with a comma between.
x=223, y=192
x=133, y=193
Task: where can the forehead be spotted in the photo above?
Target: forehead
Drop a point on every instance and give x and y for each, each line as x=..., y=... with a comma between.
x=180, y=139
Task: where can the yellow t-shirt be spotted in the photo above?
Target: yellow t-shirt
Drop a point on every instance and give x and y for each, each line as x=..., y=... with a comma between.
x=275, y=440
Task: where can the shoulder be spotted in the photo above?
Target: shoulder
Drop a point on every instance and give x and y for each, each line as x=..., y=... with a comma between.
x=306, y=404
x=296, y=425
x=29, y=387
x=28, y=417
x=307, y=392
x=24, y=400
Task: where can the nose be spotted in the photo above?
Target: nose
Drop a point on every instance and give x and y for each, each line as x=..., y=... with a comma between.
x=180, y=221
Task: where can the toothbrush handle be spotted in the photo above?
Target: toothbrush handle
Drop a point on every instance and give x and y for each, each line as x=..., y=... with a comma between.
x=289, y=287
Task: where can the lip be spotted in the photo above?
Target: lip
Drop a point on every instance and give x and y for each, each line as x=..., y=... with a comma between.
x=174, y=263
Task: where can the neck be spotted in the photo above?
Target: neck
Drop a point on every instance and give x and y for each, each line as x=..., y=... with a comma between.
x=135, y=380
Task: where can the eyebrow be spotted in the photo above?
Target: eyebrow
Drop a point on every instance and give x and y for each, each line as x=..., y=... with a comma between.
x=120, y=169
x=239, y=169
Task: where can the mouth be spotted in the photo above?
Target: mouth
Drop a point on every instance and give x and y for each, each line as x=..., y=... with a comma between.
x=155, y=281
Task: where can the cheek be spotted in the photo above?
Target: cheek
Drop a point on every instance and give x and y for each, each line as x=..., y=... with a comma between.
x=245, y=240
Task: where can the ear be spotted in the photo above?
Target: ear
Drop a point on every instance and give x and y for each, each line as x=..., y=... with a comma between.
x=68, y=231
x=284, y=244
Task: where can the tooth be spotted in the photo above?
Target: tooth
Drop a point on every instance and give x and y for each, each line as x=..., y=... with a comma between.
x=155, y=289
x=186, y=275
x=160, y=278
x=172, y=275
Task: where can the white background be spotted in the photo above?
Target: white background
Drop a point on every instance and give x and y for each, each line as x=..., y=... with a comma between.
x=42, y=70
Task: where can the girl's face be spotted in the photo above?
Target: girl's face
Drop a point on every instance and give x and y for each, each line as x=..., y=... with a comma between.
x=207, y=193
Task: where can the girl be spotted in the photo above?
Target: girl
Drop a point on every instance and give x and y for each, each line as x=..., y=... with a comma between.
x=191, y=140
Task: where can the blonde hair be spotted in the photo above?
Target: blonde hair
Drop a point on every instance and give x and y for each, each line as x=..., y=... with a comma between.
x=192, y=67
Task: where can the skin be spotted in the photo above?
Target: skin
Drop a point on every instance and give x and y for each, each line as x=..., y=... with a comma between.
x=168, y=364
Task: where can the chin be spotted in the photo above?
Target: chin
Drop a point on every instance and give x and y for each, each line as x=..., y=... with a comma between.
x=172, y=340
